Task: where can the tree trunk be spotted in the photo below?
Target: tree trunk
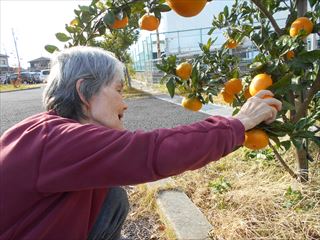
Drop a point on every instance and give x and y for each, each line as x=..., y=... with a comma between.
x=128, y=77
x=301, y=154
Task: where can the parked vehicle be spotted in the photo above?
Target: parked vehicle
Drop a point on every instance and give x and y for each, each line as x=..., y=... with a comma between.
x=44, y=74
x=35, y=77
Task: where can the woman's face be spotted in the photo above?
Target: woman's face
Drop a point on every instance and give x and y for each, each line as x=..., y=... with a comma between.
x=107, y=107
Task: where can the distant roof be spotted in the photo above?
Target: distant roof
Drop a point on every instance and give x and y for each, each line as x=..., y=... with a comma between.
x=40, y=59
x=3, y=55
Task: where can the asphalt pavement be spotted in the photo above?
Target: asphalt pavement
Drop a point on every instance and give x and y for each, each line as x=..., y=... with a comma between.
x=146, y=113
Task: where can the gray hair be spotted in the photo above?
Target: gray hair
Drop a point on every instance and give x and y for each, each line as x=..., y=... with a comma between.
x=96, y=66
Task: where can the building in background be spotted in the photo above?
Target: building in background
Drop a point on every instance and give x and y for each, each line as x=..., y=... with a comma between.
x=4, y=65
x=39, y=64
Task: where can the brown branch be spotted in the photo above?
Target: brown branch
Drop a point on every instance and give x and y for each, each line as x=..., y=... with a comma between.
x=283, y=163
x=265, y=11
x=292, y=101
x=315, y=87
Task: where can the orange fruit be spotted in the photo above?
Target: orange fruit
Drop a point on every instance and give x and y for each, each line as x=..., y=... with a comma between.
x=120, y=23
x=227, y=97
x=187, y=8
x=184, y=70
x=290, y=55
x=231, y=44
x=301, y=23
x=247, y=94
x=260, y=82
x=233, y=86
x=149, y=22
x=192, y=104
x=256, y=139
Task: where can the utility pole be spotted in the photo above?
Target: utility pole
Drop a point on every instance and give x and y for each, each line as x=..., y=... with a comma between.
x=15, y=44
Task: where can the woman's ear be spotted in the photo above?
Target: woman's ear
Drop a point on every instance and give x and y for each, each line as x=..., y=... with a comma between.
x=81, y=96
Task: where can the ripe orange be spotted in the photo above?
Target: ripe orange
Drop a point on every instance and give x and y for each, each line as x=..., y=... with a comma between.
x=299, y=24
x=187, y=8
x=192, y=104
x=260, y=82
x=247, y=94
x=120, y=23
x=290, y=55
x=231, y=44
x=184, y=70
x=233, y=86
x=149, y=22
x=227, y=97
x=256, y=139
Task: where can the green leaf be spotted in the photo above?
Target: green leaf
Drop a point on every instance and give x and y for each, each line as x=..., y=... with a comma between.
x=306, y=59
x=70, y=29
x=84, y=8
x=51, y=48
x=62, y=37
x=286, y=144
x=297, y=142
x=163, y=8
x=312, y=2
x=226, y=11
x=157, y=14
x=282, y=82
x=171, y=86
x=109, y=18
x=287, y=106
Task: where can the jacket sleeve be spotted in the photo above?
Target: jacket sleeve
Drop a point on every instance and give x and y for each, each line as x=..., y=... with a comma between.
x=79, y=157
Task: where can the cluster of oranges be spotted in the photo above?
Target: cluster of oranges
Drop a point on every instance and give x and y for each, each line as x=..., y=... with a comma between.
x=146, y=22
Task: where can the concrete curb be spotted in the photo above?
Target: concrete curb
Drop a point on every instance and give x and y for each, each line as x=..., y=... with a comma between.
x=181, y=214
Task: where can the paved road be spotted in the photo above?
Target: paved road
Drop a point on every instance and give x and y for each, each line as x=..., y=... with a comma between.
x=143, y=113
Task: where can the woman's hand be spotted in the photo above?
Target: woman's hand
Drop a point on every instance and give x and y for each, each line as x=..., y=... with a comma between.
x=259, y=109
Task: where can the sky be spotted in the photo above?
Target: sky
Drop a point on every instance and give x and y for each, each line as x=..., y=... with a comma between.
x=35, y=23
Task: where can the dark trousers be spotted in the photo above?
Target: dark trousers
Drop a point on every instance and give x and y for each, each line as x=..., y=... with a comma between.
x=112, y=215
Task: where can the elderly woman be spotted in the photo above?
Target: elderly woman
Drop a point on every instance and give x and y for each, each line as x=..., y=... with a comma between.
x=61, y=169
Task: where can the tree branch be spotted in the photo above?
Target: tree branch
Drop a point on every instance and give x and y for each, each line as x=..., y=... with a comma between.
x=283, y=163
x=315, y=87
x=265, y=11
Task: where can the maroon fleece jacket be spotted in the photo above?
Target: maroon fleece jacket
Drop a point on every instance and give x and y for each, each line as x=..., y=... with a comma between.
x=55, y=172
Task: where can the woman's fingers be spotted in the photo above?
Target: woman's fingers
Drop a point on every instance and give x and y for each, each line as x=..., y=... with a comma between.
x=273, y=102
x=273, y=115
x=263, y=93
x=267, y=97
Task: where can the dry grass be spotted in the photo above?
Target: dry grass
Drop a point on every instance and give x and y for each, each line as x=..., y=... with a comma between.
x=10, y=87
x=145, y=215
x=255, y=199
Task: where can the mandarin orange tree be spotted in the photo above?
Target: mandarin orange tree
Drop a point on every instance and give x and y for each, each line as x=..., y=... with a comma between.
x=282, y=62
